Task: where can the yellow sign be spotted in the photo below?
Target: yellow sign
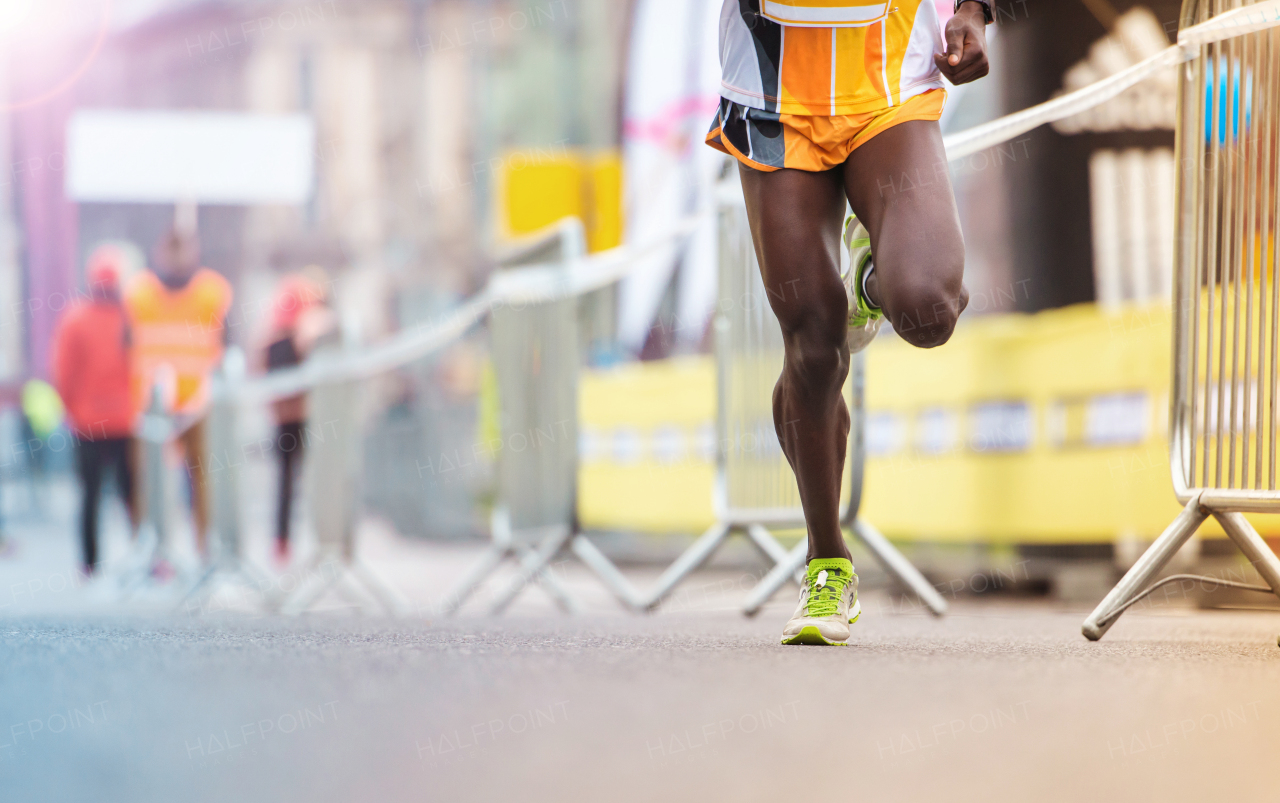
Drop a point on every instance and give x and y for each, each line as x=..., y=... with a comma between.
x=540, y=186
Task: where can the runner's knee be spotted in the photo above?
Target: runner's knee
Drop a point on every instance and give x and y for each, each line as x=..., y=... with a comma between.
x=925, y=312
x=815, y=345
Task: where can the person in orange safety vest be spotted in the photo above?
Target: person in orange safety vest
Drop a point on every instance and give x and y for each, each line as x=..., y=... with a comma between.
x=177, y=314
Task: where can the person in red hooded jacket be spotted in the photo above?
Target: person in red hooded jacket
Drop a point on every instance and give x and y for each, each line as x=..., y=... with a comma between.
x=91, y=373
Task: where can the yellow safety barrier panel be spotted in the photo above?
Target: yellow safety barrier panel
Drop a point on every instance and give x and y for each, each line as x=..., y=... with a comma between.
x=1044, y=428
x=541, y=186
x=648, y=446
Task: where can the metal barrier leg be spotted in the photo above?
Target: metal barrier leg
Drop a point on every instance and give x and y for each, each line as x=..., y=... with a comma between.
x=266, y=584
x=786, y=569
x=229, y=565
x=202, y=585
x=502, y=547
x=897, y=565
x=333, y=482
x=1253, y=547
x=533, y=563
x=383, y=592
x=491, y=559
x=141, y=561
x=1151, y=562
x=595, y=560
x=348, y=590
x=555, y=589
x=348, y=571
x=311, y=590
x=762, y=538
x=243, y=574
x=688, y=562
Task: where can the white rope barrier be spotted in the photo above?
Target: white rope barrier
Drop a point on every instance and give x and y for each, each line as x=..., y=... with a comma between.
x=554, y=281
x=527, y=285
x=1241, y=21
x=979, y=138
x=406, y=347
x=1249, y=19
x=551, y=281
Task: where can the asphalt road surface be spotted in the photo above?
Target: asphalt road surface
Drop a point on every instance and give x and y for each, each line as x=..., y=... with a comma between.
x=999, y=701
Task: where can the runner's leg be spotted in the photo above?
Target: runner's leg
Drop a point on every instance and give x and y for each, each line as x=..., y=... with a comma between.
x=795, y=223
x=898, y=186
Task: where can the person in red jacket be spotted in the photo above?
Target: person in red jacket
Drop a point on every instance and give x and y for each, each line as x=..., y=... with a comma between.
x=299, y=317
x=91, y=373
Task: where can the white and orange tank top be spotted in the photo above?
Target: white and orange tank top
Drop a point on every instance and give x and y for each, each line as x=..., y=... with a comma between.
x=181, y=329
x=828, y=57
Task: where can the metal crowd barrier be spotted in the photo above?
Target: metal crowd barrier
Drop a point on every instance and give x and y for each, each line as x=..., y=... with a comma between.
x=228, y=564
x=536, y=358
x=333, y=492
x=1225, y=411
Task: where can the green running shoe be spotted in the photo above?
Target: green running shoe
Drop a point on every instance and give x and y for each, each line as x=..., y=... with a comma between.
x=864, y=317
x=828, y=604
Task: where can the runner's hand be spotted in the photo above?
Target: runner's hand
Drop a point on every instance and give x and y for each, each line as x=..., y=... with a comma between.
x=966, y=56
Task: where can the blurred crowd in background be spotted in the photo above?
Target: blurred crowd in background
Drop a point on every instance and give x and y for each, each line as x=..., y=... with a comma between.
x=145, y=339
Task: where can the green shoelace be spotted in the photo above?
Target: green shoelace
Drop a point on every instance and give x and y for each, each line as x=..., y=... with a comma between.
x=824, y=599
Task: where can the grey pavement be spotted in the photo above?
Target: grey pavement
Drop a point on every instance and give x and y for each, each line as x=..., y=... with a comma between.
x=1001, y=701
x=141, y=699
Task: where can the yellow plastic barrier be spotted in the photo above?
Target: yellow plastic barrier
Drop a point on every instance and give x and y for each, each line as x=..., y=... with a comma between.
x=537, y=187
x=648, y=446
x=1045, y=428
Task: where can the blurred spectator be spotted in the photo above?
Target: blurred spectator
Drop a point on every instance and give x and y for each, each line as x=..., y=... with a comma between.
x=91, y=372
x=299, y=317
x=42, y=413
x=177, y=316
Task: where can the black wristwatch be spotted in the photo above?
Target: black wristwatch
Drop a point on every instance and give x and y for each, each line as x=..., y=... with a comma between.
x=986, y=9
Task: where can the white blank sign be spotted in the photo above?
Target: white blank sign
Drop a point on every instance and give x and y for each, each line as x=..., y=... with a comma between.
x=201, y=157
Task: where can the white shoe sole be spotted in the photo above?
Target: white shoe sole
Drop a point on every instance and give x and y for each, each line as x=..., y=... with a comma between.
x=812, y=636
